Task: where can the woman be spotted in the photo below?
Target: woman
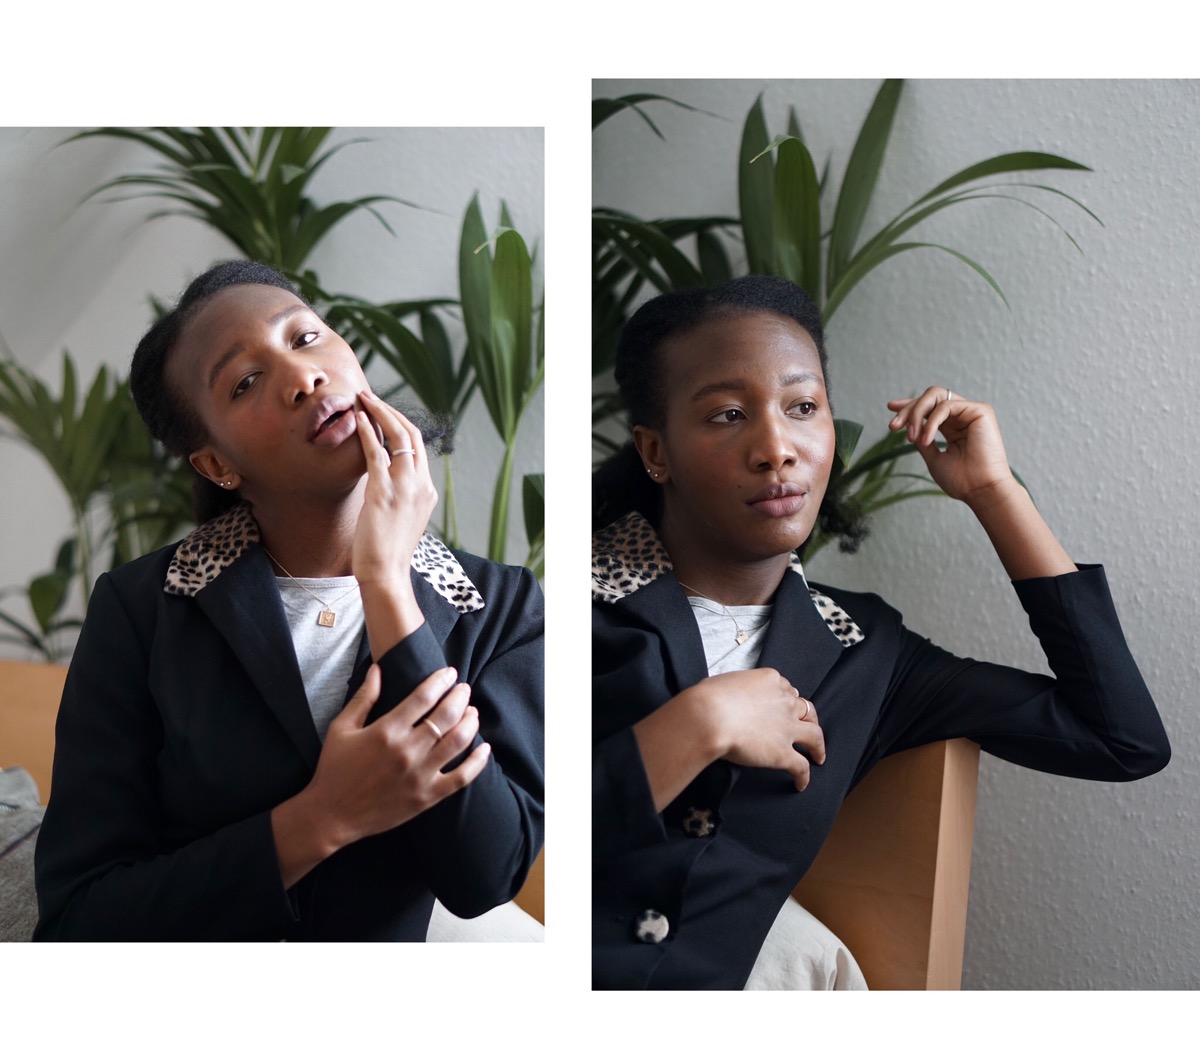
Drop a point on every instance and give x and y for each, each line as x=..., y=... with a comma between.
x=208, y=783
x=735, y=705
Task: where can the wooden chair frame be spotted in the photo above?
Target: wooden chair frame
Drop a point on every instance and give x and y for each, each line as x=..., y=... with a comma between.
x=891, y=880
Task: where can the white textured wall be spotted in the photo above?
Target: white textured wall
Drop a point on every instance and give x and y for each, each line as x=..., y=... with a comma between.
x=78, y=277
x=1075, y=884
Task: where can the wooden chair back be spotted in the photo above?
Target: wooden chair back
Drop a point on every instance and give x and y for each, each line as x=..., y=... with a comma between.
x=891, y=880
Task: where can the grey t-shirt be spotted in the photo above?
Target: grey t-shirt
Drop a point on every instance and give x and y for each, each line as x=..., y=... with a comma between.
x=326, y=655
x=719, y=627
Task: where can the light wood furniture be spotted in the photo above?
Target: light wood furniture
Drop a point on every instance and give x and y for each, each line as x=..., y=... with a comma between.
x=29, y=698
x=891, y=880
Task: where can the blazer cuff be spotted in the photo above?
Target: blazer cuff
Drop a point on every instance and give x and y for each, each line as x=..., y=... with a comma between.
x=623, y=813
x=404, y=666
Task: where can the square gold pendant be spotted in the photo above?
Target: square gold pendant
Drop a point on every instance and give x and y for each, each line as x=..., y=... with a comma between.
x=326, y=618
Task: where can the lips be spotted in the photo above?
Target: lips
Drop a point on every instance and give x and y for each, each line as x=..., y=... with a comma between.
x=779, y=500
x=328, y=419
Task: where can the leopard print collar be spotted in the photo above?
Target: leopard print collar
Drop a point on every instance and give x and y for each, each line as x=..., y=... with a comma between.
x=628, y=555
x=209, y=550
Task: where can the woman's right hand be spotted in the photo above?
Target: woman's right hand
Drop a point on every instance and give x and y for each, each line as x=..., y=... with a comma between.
x=757, y=716
x=751, y=718
x=373, y=777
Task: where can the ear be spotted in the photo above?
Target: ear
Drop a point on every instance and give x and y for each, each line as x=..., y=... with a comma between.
x=213, y=467
x=649, y=444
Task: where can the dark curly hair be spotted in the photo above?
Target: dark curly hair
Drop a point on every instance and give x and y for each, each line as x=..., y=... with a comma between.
x=619, y=485
x=171, y=418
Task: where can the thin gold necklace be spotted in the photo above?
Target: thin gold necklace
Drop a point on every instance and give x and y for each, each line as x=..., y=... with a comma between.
x=326, y=618
x=742, y=635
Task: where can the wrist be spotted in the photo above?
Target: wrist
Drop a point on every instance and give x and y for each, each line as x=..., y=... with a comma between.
x=1000, y=494
x=305, y=835
x=703, y=723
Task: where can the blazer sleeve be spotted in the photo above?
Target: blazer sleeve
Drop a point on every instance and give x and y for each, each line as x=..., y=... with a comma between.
x=628, y=681
x=102, y=869
x=477, y=846
x=1093, y=719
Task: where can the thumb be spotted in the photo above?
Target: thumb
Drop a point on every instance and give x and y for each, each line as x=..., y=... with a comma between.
x=354, y=715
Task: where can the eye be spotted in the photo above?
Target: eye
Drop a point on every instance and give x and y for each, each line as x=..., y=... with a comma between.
x=305, y=338
x=804, y=408
x=726, y=417
x=243, y=384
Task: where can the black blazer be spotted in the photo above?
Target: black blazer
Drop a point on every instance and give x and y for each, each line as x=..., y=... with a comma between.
x=719, y=861
x=184, y=722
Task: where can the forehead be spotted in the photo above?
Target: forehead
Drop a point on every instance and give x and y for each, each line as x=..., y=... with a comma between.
x=223, y=322
x=753, y=345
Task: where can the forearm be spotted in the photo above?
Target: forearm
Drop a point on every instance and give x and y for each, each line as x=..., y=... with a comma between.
x=222, y=887
x=476, y=847
x=302, y=838
x=391, y=613
x=676, y=742
x=1024, y=543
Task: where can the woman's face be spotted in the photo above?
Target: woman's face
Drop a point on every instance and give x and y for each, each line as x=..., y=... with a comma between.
x=272, y=385
x=748, y=442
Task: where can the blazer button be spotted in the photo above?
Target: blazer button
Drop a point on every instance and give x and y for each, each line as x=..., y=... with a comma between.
x=699, y=823
x=651, y=926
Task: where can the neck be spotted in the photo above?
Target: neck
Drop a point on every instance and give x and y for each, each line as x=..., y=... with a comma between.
x=732, y=583
x=311, y=537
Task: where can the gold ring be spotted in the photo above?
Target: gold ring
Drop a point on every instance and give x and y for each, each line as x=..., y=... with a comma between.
x=433, y=727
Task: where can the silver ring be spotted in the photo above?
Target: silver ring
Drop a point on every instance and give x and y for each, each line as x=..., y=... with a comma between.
x=949, y=395
x=433, y=727
x=404, y=450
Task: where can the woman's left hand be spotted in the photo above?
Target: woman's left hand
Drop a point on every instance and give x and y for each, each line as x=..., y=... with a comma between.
x=973, y=464
x=400, y=496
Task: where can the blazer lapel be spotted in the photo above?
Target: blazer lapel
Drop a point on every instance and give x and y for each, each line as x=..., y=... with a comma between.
x=799, y=642
x=663, y=606
x=245, y=607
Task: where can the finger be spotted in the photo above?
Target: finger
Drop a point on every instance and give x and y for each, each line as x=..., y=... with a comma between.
x=801, y=771
x=448, y=783
x=427, y=694
x=416, y=441
x=457, y=739
x=813, y=740
x=904, y=412
x=378, y=459
x=808, y=712
x=914, y=414
x=355, y=712
x=402, y=435
x=446, y=714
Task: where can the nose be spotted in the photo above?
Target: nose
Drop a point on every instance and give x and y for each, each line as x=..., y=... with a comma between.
x=773, y=445
x=301, y=379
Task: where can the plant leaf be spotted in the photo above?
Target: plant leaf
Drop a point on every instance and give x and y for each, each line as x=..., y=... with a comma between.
x=797, y=217
x=862, y=174
x=1011, y=162
x=756, y=190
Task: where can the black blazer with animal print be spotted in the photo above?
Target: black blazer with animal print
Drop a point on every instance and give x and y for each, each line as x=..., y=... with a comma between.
x=684, y=899
x=184, y=721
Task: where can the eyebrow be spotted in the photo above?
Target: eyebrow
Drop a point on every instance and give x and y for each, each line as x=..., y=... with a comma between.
x=736, y=384
x=237, y=349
